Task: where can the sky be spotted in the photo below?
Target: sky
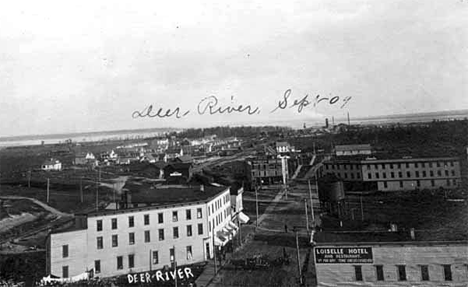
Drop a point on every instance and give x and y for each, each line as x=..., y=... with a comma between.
x=79, y=66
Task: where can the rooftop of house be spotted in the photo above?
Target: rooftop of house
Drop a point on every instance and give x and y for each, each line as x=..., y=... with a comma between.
x=353, y=147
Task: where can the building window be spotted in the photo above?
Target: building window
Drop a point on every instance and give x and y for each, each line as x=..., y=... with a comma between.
x=100, y=244
x=64, y=271
x=417, y=173
x=438, y=164
x=131, y=238
x=119, y=262
x=432, y=182
x=155, y=257
x=188, y=214
x=189, y=230
x=97, y=266
x=423, y=164
x=401, y=184
x=448, y=182
x=175, y=216
x=379, y=272
x=430, y=164
x=147, y=236
x=407, y=165
x=131, y=261
x=99, y=225
x=439, y=173
x=424, y=273
x=369, y=175
x=368, y=166
x=454, y=182
x=400, y=174
x=446, y=173
x=431, y=173
x=384, y=175
x=408, y=173
x=385, y=184
x=200, y=228
x=358, y=272
x=175, y=232
x=447, y=272
x=114, y=223
x=376, y=175
x=392, y=174
x=146, y=219
x=401, y=272
x=424, y=173
x=416, y=164
x=161, y=234
x=171, y=254
x=131, y=221
x=189, y=252
x=418, y=183
x=399, y=165
x=64, y=251
x=115, y=241
x=199, y=213
x=451, y=163
x=160, y=218
x=453, y=173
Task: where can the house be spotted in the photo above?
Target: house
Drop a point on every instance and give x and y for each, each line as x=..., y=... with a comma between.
x=283, y=147
x=347, y=150
x=183, y=170
x=237, y=206
x=184, y=159
x=85, y=159
x=51, y=164
x=174, y=152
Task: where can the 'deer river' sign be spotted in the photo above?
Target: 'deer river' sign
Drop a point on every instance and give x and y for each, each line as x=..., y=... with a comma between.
x=159, y=276
x=343, y=255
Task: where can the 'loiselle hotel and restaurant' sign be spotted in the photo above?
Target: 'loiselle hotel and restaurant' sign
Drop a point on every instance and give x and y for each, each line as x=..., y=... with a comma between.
x=160, y=276
x=337, y=255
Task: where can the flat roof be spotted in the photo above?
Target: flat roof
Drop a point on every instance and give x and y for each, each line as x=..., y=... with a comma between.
x=362, y=159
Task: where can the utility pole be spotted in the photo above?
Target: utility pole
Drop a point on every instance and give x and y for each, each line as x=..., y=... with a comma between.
x=362, y=209
x=97, y=188
x=311, y=205
x=29, y=178
x=81, y=189
x=214, y=253
x=298, y=257
x=175, y=267
x=48, y=183
x=306, y=215
x=256, y=207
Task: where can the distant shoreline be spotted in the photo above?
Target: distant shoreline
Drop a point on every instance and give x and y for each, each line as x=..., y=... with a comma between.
x=26, y=140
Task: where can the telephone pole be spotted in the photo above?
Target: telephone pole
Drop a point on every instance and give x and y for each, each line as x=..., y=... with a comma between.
x=311, y=205
x=306, y=215
x=362, y=209
x=298, y=257
x=48, y=183
x=256, y=207
x=81, y=189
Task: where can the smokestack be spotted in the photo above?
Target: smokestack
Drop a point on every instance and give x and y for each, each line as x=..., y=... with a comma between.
x=333, y=121
x=326, y=123
x=349, y=122
x=413, y=236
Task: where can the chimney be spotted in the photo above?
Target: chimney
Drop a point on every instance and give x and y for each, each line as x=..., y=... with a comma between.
x=413, y=236
x=202, y=188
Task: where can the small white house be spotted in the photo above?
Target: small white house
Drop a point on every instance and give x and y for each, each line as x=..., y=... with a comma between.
x=52, y=164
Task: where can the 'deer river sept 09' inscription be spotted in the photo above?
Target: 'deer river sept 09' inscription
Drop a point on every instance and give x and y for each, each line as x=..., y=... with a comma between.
x=212, y=105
